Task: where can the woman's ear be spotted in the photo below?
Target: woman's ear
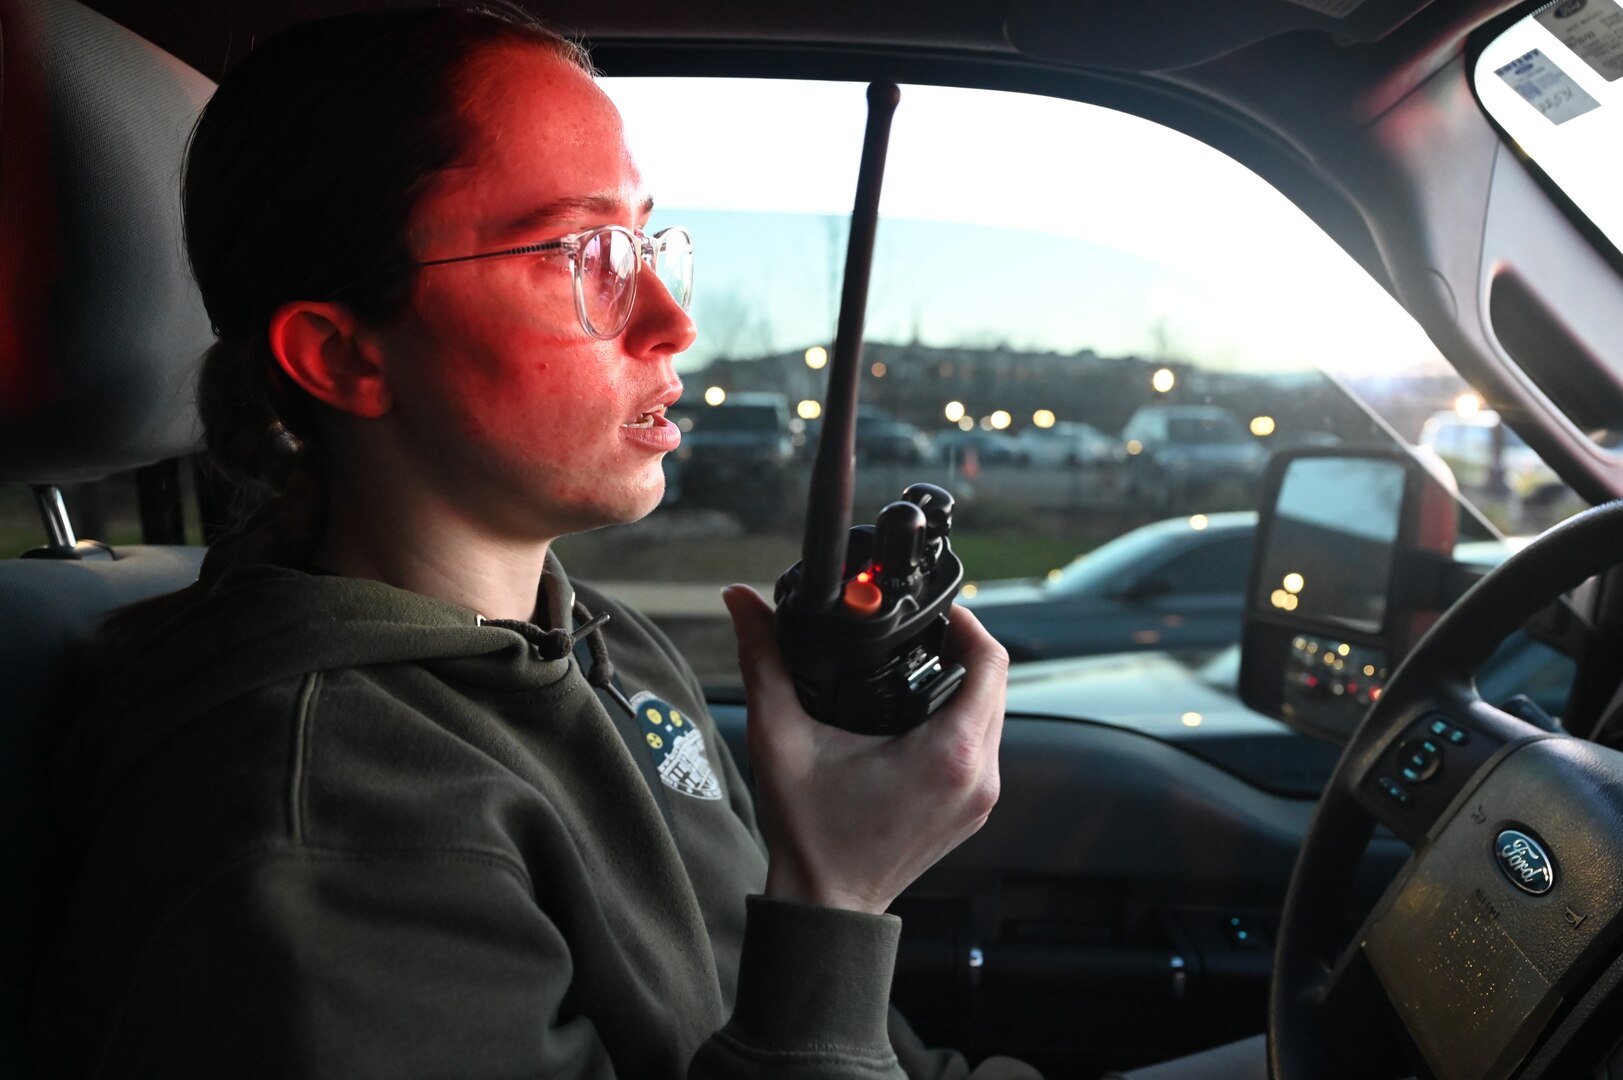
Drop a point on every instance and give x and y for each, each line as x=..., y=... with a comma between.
x=322, y=348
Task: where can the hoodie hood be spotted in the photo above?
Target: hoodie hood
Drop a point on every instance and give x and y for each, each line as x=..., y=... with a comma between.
x=254, y=626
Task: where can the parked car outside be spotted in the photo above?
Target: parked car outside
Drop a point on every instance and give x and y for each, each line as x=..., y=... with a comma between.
x=881, y=438
x=1067, y=442
x=1176, y=585
x=1178, y=452
x=1467, y=445
x=735, y=457
x=959, y=448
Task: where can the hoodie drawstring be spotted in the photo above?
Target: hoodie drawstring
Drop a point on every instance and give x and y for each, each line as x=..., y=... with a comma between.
x=601, y=677
x=555, y=644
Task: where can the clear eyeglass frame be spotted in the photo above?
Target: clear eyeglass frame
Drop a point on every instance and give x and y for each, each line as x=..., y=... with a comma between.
x=671, y=246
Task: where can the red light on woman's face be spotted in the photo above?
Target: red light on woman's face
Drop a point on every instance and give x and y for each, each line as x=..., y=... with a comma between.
x=526, y=426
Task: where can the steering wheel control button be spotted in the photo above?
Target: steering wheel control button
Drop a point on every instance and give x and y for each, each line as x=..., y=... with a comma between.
x=1395, y=791
x=1524, y=862
x=1418, y=761
x=1244, y=934
x=1455, y=736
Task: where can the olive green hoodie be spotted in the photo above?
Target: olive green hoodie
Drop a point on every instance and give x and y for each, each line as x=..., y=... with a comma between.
x=327, y=827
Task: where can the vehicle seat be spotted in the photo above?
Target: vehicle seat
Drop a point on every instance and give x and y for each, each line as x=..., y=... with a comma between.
x=99, y=339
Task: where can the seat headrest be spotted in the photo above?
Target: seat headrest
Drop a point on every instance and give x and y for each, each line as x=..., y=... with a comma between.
x=101, y=327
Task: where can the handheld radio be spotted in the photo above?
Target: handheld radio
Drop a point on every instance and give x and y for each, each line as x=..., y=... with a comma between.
x=862, y=616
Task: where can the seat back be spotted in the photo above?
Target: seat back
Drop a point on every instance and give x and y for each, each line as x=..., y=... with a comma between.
x=100, y=332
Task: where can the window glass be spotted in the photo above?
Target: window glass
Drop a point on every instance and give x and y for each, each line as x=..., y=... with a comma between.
x=1218, y=568
x=1091, y=329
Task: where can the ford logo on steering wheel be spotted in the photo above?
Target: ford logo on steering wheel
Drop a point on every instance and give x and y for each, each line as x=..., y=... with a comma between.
x=1525, y=862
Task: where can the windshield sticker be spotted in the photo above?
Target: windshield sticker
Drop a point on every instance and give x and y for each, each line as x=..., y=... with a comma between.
x=1338, y=9
x=1591, y=28
x=1546, y=87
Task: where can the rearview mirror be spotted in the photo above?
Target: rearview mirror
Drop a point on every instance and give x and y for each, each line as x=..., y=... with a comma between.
x=1351, y=545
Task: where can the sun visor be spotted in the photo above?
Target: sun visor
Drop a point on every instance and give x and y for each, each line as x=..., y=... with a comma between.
x=102, y=327
x=1162, y=35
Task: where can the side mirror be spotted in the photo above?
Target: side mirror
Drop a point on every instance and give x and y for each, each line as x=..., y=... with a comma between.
x=1353, y=549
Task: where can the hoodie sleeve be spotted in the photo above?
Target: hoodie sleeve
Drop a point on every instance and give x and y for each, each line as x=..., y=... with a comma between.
x=300, y=962
x=812, y=1005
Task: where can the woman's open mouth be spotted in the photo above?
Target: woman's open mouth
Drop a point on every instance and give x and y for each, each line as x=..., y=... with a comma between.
x=653, y=430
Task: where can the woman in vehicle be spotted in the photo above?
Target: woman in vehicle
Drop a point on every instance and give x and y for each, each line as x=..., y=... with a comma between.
x=382, y=795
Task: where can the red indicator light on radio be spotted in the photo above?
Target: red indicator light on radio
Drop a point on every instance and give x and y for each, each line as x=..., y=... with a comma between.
x=862, y=596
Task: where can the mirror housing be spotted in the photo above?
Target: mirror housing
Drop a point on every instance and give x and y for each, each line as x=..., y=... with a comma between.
x=1351, y=566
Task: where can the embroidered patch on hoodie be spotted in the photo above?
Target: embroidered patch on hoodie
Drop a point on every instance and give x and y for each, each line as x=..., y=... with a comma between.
x=677, y=746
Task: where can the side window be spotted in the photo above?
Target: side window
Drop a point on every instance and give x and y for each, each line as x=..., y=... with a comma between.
x=1211, y=568
x=1127, y=282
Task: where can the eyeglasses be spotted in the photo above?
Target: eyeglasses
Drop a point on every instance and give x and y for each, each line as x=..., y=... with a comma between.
x=604, y=264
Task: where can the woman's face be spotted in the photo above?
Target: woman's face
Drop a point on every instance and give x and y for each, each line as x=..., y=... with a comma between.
x=522, y=421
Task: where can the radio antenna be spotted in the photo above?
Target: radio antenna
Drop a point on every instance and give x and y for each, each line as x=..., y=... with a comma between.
x=828, y=504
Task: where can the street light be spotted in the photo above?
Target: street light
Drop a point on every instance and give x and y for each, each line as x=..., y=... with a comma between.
x=1163, y=380
x=816, y=357
x=954, y=411
x=714, y=395
x=1043, y=418
x=810, y=409
x=1001, y=419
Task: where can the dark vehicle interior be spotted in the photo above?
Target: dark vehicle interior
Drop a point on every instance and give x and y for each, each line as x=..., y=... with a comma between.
x=1133, y=898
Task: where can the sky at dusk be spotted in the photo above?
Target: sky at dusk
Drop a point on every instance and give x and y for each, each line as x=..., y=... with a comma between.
x=1007, y=218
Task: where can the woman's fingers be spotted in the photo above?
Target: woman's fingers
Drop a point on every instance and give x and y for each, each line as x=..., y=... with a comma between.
x=978, y=704
x=755, y=627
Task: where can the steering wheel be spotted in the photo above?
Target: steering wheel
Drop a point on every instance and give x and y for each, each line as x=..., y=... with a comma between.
x=1498, y=939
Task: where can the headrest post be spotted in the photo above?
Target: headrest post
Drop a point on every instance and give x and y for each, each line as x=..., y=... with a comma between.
x=54, y=512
